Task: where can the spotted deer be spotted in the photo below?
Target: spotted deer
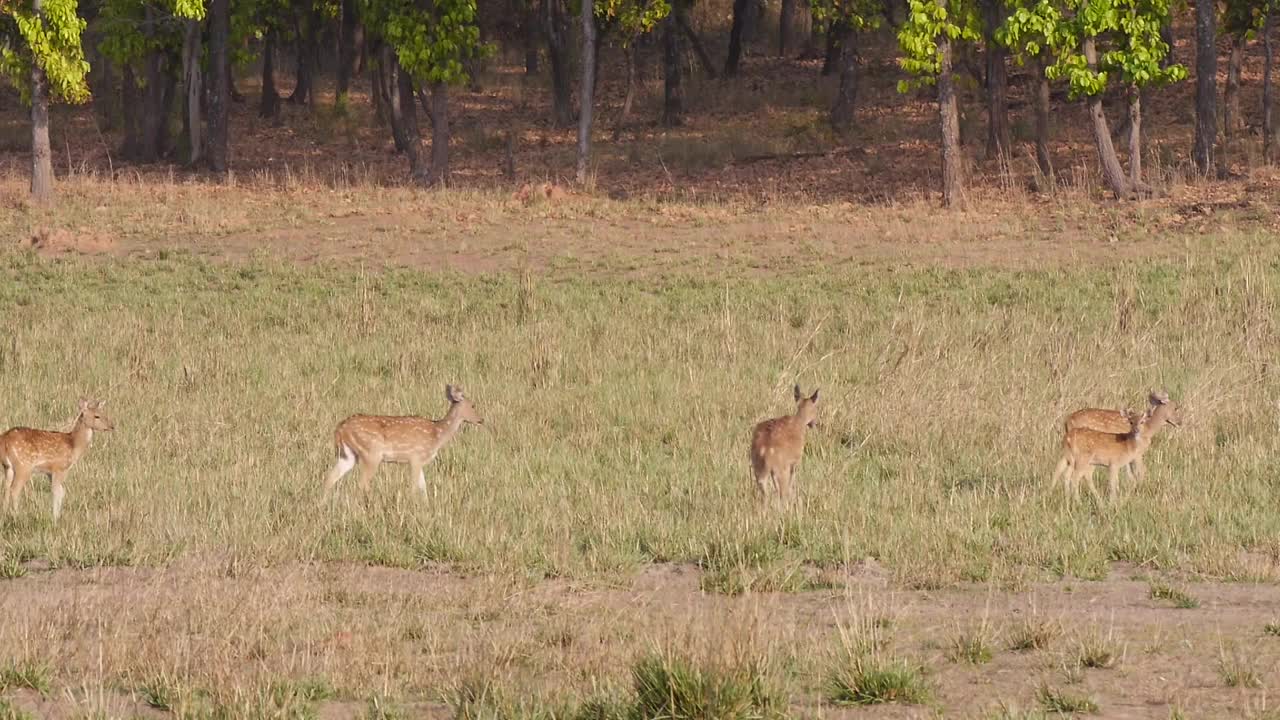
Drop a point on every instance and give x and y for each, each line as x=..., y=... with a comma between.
x=25, y=452
x=1084, y=449
x=371, y=440
x=778, y=444
x=1115, y=421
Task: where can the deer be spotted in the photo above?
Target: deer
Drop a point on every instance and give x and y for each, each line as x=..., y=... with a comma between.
x=778, y=444
x=371, y=440
x=25, y=452
x=1115, y=421
x=1084, y=449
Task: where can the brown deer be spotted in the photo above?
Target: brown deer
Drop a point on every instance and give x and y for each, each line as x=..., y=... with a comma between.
x=778, y=444
x=1084, y=449
x=374, y=439
x=25, y=452
x=1115, y=421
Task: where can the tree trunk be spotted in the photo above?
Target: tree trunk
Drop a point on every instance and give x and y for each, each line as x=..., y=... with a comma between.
x=439, y=135
x=270, y=105
x=1111, y=169
x=191, y=71
x=1043, y=159
x=673, y=93
x=391, y=81
x=832, y=57
x=784, y=25
x=587, y=89
x=41, y=155
x=998, y=134
x=847, y=95
x=307, y=29
x=629, y=51
x=1231, y=118
x=407, y=103
x=1166, y=34
x=735, y=38
x=531, y=39
x=558, y=52
x=1206, y=88
x=346, y=49
x=129, y=92
x=1268, y=114
x=699, y=50
x=1135, y=139
x=949, y=113
x=220, y=83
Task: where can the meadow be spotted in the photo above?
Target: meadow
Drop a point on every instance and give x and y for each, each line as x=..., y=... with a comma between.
x=599, y=538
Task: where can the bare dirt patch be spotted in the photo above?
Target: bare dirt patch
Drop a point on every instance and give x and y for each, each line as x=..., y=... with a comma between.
x=413, y=636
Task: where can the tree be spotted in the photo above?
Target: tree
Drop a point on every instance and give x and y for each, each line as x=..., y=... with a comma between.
x=587, y=88
x=927, y=39
x=1027, y=33
x=847, y=18
x=1206, y=86
x=994, y=13
x=42, y=55
x=1096, y=42
x=430, y=41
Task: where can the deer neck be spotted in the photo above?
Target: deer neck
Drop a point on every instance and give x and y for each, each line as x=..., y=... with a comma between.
x=451, y=423
x=81, y=438
x=1156, y=420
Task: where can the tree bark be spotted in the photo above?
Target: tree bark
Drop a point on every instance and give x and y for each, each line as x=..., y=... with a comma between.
x=270, y=105
x=1231, y=118
x=1043, y=160
x=1166, y=34
x=531, y=39
x=949, y=113
x=998, y=133
x=346, y=49
x=587, y=89
x=307, y=29
x=629, y=51
x=735, y=38
x=847, y=94
x=699, y=50
x=391, y=81
x=1206, y=88
x=220, y=83
x=130, y=110
x=784, y=25
x=1111, y=170
x=1268, y=114
x=832, y=57
x=673, y=93
x=41, y=154
x=558, y=52
x=1135, y=139
x=439, y=135
x=191, y=71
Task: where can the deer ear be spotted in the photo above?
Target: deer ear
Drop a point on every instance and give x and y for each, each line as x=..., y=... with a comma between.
x=453, y=394
x=798, y=394
x=83, y=404
x=814, y=397
x=101, y=404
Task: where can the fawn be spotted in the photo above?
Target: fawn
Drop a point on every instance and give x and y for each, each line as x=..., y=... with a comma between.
x=374, y=439
x=1114, y=421
x=24, y=452
x=778, y=444
x=1084, y=449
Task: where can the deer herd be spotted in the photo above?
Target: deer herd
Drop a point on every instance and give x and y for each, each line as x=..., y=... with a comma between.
x=1092, y=438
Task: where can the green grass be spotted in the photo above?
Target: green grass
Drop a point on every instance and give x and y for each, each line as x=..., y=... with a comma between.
x=1180, y=598
x=1239, y=671
x=973, y=645
x=1034, y=634
x=1066, y=703
x=1272, y=629
x=29, y=675
x=942, y=393
x=874, y=679
x=9, y=712
x=670, y=685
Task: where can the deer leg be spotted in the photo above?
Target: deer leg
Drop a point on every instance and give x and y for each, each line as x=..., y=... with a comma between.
x=1138, y=469
x=346, y=460
x=368, y=466
x=1063, y=471
x=8, y=483
x=20, y=478
x=1087, y=474
x=783, y=477
x=419, y=480
x=1113, y=482
x=59, y=493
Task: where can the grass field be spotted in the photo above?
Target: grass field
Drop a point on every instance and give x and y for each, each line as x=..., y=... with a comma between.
x=619, y=392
